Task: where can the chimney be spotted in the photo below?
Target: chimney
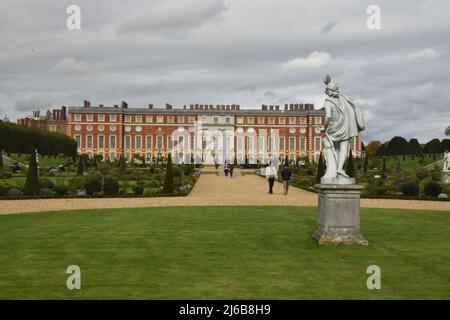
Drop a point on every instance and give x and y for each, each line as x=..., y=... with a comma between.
x=86, y=103
x=64, y=113
x=271, y=107
x=238, y=107
x=277, y=108
x=100, y=106
x=211, y=107
x=291, y=106
x=116, y=106
x=223, y=107
x=285, y=106
x=184, y=107
x=228, y=107
x=124, y=105
x=264, y=107
x=150, y=106
x=168, y=106
x=301, y=106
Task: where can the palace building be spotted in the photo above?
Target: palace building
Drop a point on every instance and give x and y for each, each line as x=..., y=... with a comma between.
x=202, y=133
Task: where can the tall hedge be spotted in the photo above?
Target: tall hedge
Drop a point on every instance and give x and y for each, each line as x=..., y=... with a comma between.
x=350, y=168
x=21, y=139
x=32, y=181
x=320, y=168
x=169, y=185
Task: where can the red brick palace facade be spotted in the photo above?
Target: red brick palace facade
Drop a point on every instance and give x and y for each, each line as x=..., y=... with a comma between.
x=205, y=133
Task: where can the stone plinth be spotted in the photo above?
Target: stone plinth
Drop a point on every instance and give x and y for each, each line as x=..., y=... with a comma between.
x=339, y=214
x=446, y=177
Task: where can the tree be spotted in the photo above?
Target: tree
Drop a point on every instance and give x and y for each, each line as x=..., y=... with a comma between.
x=372, y=148
x=32, y=181
x=350, y=168
x=169, y=185
x=414, y=147
x=82, y=164
x=382, y=150
x=122, y=165
x=320, y=168
x=432, y=146
x=286, y=160
x=366, y=163
x=397, y=146
x=445, y=145
x=1, y=162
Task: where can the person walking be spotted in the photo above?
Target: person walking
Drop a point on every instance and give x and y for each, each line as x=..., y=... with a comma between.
x=226, y=168
x=271, y=176
x=286, y=176
x=231, y=167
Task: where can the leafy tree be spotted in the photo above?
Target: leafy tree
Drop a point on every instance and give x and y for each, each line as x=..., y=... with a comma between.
x=169, y=185
x=366, y=163
x=82, y=164
x=382, y=150
x=432, y=146
x=320, y=168
x=110, y=186
x=414, y=147
x=286, y=160
x=122, y=165
x=32, y=181
x=445, y=145
x=372, y=148
x=1, y=162
x=350, y=168
x=397, y=146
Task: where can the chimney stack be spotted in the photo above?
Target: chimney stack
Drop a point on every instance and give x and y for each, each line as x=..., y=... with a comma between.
x=264, y=107
x=124, y=105
x=168, y=106
x=150, y=106
x=86, y=103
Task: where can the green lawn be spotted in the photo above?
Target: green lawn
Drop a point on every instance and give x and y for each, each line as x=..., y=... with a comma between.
x=407, y=164
x=44, y=161
x=220, y=253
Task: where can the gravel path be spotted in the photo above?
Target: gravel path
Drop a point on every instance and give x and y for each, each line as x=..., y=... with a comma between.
x=212, y=190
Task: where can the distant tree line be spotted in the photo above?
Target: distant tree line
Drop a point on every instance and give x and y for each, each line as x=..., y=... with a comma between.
x=400, y=146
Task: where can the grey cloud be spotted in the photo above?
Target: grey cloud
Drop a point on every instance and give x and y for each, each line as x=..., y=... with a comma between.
x=326, y=29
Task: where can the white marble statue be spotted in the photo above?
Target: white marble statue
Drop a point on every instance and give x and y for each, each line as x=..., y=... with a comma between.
x=446, y=166
x=343, y=121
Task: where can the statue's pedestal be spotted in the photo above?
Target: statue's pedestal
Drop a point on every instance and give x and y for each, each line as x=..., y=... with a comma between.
x=446, y=177
x=339, y=212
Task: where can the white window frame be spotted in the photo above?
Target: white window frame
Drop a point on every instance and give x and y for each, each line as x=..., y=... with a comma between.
x=127, y=138
x=115, y=141
x=136, y=142
x=98, y=141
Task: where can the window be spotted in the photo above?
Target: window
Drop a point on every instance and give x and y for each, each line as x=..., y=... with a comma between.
x=261, y=120
x=271, y=120
x=112, y=142
x=240, y=143
x=149, y=119
x=250, y=143
x=127, y=142
x=77, y=117
x=101, y=142
x=112, y=118
x=292, y=120
x=112, y=156
x=169, y=142
x=282, y=120
x=170, y=119
x=148, y=143
x=89, y=142
x=138, y=119
x=302, y=143
x=318, y=120
x=160, y=119
x=78, y=140
x=240, y=120
x=138, y=142
x=180, y=145
x=292, y=143
x=191, y=119
x=101, y=117
x=180, y=119
x=250, y=120
x=281, y=144
x=89, y=117
x=318, y=144
x=127, y=118
x=160, y=142
x=192, y=143
x=227, y=120
x=216, y=120
x=261, y=143
x=302, y=120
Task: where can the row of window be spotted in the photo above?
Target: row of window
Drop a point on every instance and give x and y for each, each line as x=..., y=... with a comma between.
x=250, y=143
x=191, y=119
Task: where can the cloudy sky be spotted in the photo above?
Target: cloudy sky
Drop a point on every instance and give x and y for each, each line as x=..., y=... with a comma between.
x=232, y=51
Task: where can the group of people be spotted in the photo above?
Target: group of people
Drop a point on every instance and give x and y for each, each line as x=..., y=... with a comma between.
x=272, y=176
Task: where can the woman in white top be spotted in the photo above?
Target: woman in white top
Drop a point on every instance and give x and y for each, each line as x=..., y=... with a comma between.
x=271, y=176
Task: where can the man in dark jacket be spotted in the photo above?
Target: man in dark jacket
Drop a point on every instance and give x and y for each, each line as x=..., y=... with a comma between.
x=286, y=176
